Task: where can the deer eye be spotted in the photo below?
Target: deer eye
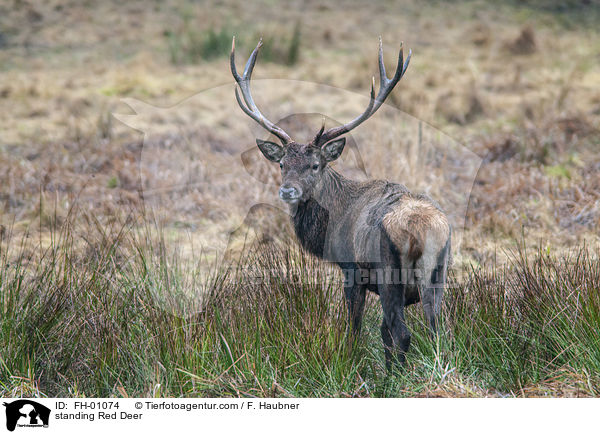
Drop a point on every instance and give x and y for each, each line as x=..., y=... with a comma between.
x=281, y=165
x=315, y=166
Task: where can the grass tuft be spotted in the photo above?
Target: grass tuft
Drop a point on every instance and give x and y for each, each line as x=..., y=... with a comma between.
x=187, y=45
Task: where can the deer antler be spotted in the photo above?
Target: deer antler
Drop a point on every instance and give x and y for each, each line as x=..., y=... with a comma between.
x=248, y=105
x=385, y=87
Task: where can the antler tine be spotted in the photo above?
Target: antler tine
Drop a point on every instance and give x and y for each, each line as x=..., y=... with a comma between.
x=232, y=62
x=382, y=74
x=318, y=136
x=251, y=61
x=247, y=105
x=386, y=85
x=243, y=105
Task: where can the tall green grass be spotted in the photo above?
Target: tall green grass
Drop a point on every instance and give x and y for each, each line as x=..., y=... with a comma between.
x=186, y=44
x=107, y=311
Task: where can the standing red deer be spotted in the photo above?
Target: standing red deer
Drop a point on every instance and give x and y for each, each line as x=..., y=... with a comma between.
x=373, y=228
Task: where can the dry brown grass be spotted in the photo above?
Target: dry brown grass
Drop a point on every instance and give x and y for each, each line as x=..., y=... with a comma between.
x=513, y=86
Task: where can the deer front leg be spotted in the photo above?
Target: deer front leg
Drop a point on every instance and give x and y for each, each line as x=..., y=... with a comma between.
x=355, y=293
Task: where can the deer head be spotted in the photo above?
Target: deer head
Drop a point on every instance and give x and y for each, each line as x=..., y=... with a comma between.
x=302, y=165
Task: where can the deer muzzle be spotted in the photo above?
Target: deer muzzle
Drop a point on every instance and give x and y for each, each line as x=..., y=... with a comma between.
x=290, y=194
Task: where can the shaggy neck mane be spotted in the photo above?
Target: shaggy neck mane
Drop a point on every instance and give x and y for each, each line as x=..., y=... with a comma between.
x=331, y=197
x=335, y=192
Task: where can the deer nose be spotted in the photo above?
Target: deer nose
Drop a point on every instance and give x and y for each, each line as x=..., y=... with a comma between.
x=289, y=193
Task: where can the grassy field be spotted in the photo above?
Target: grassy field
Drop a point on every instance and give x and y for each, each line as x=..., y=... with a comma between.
x=108, y=290
x=120, y=320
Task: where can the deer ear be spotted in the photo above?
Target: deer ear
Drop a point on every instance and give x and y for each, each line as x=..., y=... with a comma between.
x=332, y=150
x=272, y=151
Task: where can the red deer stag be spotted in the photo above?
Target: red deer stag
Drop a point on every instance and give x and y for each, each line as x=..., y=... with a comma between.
x=383, y=237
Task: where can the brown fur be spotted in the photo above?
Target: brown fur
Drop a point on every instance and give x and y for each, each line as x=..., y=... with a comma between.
x=413, y=222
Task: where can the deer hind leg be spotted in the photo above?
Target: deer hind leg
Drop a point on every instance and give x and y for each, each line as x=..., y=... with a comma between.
x=394, y=332
x=432, y=300
x=392, y=293
x=388, y=344
x=431, y=285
